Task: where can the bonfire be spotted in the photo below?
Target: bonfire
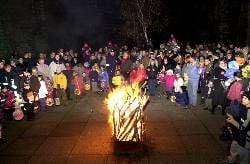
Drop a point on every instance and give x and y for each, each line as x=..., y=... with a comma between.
x=126, y=106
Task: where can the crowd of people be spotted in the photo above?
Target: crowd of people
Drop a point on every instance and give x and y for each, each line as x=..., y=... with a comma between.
x=218, y=72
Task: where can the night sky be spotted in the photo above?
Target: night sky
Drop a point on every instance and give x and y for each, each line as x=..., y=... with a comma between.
x=92, y=21
x=69, y=23
x=96, y=20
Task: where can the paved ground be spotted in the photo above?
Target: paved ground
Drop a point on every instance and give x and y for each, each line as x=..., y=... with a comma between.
x=75, y=134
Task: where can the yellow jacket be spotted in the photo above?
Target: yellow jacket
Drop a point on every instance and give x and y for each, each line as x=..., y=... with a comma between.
x=117, y=80
x=60, y=79
x=245, y=71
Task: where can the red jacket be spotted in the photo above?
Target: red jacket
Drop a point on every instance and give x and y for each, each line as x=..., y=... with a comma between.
x=234, y=92
x=138, y=75
x=77, y=82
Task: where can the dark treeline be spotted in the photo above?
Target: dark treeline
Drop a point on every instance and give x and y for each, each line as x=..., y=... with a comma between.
x=42, y=25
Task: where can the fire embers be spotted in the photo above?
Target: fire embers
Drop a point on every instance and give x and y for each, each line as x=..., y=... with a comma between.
x=126, y=104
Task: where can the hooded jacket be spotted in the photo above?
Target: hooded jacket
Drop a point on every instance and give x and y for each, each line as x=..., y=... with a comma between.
x=61, y=80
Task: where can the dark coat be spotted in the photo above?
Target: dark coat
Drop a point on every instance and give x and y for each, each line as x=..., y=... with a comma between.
x=34, y=84
x=29, y=63
x=111, y=61
x=152, y=72
x=93, y=76
x=9, y=76
x=126, y=68
x=204, y=79
x=2, y=79
x=219, y=91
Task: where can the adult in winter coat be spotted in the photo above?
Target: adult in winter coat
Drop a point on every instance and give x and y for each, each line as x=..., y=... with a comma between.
x=206, y=75
x=68, y=72
x=11, y=78
x=138, y=74
x=126, y=66
x=193, y=75
x=235, y=94
x=219, y=90
x=44, y=69
x=111, y=65
x=152, y=71
x=57, y=64
x=237, y=150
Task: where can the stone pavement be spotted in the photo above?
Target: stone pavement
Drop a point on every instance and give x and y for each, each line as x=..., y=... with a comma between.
x=79, y=133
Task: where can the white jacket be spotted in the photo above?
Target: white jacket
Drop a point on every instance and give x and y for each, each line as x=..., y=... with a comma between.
x=178, y=83
x=42, y=90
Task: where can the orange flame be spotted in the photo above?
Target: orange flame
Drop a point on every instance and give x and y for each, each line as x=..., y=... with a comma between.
x=125, y=105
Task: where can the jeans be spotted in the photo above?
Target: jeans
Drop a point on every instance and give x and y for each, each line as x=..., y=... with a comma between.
x=169, y=92
x=152, y=86
x=69, y=91
x=42, y=104
x=192, y=91
x=235, y=108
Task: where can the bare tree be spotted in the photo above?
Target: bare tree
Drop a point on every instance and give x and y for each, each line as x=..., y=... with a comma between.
x=138, y=15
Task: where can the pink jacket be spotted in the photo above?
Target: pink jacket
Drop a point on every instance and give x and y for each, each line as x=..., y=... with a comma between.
x=169, y=81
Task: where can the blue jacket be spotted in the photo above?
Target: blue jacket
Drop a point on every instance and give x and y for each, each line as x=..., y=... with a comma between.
x=192, y=71
x=103, y=76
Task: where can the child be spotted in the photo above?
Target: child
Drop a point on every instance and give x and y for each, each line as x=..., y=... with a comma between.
x=2, y=140
x=178, y=83
x=161, y=82
x=29, y=106
x=180, y=91
x=87, y=71
x=8, y=98
x=94, y=79
x=118, y=79
x=169, y=83
x=208, y=96
x=77, y=83
x=49, y=86
x=42, y=94
x=60, y=86
x=178, y=68
x=103, y=78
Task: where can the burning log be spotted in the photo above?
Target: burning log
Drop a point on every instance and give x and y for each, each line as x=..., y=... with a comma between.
x=126, y=105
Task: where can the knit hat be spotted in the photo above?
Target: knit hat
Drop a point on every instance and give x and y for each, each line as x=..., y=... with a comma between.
x=247, y=94
x=170, y=72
